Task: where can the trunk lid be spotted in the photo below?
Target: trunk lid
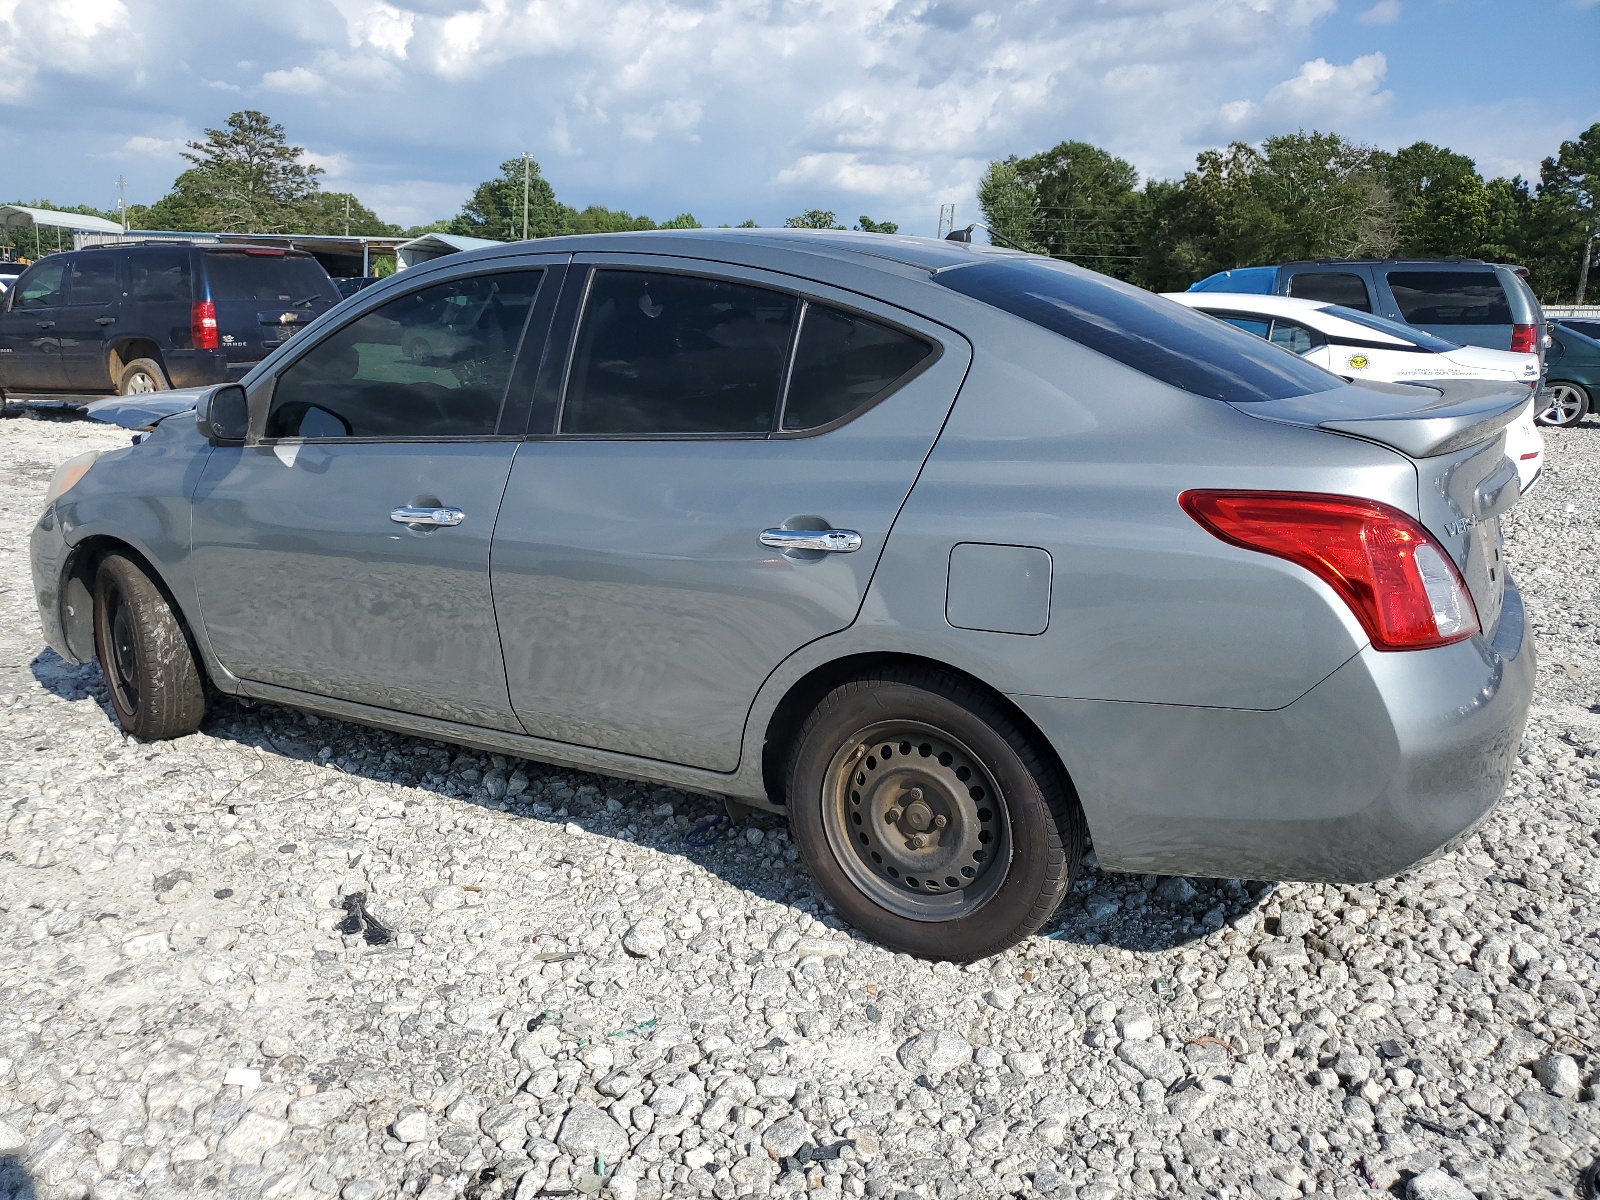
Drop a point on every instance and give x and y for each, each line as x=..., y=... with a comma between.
x=1454, y=431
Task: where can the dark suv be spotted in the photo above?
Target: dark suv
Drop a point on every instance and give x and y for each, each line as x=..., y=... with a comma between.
x=144, y=318
x=1466, y=301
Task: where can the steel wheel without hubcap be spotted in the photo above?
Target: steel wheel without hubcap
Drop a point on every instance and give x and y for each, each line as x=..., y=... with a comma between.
x=916, y=821
x=139, y=383
x=1564, y=404
x=117, y=636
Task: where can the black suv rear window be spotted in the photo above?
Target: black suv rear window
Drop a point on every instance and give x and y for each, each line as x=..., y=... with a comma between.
x=1156, y=337
x=268, y=278
x=1450, y=297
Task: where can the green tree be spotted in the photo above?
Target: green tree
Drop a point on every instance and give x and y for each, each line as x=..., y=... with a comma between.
x=495, y=209
x=246, y=178
x=1087, y=207
x=341, y=213
x=868, y=225
x=1569, y=207
x=812, y=218
x=1009, y=205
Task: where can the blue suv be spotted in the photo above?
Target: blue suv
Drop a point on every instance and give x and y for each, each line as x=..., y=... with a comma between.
x=145, y=318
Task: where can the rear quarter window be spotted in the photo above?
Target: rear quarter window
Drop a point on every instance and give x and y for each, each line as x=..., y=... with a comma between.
x=1154, y=336
x=267, y=278
x=1332, y=287
x=160, y=277
x=1450, y=297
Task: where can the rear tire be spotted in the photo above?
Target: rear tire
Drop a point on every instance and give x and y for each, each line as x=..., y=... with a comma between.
x=956, y=843
x=155, y=684
x=1565, y=404
x=142, y=376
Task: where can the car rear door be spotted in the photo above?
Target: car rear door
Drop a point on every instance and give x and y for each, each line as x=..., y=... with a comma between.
x=30, y=350
x=650, y=563
x=1346, y=284
x=88, y=319
x=345, y=550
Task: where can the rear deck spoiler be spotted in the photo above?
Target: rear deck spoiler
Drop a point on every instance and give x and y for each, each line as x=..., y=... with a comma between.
x=1420, y=420
x=1466, y=413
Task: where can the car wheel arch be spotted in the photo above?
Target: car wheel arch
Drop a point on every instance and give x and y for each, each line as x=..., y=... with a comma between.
x=77, y=595
x=784, y=722
x=125, y=349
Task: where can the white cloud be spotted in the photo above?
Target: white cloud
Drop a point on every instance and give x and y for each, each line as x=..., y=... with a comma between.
x=72, y=36
x=1384, y=12
x=1324, y=90
x=158, y=148
x=296, y=80
x=384, y=27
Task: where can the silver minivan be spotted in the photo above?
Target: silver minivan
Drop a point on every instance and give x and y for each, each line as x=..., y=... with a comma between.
x=959, y=557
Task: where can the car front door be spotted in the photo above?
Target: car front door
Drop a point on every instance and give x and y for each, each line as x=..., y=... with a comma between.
x=87, y=320
x=344, y=550
x=640, y=602
x=30, y=351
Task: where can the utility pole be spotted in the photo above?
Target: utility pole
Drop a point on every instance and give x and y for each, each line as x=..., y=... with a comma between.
x=347, y=214
x=525, y=160
x=947, y=219
x=122, y=203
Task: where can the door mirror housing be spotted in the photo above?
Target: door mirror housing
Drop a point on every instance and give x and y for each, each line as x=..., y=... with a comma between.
x=223, y=414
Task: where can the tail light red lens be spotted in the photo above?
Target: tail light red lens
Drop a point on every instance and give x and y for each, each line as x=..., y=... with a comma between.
x=1393, y=574
x=1524, y=339
x=203, y=325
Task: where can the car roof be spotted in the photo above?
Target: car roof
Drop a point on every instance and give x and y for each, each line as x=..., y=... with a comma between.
x=921, y=254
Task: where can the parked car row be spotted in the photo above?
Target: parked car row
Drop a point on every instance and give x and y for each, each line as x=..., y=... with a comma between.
x=954, y=555
x=1361, y=347
x=142, y=318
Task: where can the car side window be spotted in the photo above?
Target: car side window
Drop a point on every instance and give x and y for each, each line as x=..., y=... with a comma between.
x=1450, y=297
x=94, y=279
x=1255, y=325
x=842, y=364
x=429, y=364
x=40, y=287
x=1293, y=337
x=159, y=277
x=1332, y=287
x=661, y=353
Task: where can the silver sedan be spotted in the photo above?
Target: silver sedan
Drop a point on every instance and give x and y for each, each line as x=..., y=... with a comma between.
x=958, y=557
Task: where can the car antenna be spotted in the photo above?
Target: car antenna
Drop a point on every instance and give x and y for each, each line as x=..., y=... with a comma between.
x=965, y=235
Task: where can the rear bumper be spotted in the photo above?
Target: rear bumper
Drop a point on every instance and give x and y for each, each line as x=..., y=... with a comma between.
x=1388, y=762
x=200, y=368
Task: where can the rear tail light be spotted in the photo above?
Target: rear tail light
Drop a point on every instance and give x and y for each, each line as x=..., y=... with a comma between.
x=203, y=325
x=1395, y=577
x=1524, y=339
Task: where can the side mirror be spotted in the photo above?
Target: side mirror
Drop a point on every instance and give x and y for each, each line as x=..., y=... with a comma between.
x=223, y=415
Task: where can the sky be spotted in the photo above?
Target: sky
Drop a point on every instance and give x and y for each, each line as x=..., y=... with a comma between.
x=735, y=109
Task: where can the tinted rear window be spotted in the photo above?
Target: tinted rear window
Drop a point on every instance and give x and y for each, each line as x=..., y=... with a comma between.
x=1416, y=337
x=268, y=278
x=1450, y=297
x=1332, y=287
x=159, y=277
x=1156, y=337
x=843, y=363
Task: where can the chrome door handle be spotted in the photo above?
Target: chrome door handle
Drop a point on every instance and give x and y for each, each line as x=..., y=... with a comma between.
x=45, y=324
x=105, y=320
x=833, y=541
x=408, y=515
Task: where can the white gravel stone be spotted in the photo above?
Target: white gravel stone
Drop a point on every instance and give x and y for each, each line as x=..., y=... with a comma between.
x=508, y=1011
x=1435, y=1184
x=935, y=1052
x=411, y=1127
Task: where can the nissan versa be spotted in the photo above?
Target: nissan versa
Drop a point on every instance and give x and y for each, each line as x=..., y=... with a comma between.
x=957, y=556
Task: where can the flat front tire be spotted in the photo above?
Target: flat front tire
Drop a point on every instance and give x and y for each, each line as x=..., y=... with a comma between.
x=150, y=669
x=930, y=820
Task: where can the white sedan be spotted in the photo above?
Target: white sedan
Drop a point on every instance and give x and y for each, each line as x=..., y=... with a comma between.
x=1358, y=345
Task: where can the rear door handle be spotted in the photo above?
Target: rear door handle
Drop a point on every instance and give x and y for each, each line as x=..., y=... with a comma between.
x=105, y=320
x=408, y=515
x=832, y=541
x=45, y=324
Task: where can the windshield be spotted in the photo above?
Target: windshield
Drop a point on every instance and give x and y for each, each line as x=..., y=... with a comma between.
x=1154, y=336
x=1417, y=337
x=268, y=278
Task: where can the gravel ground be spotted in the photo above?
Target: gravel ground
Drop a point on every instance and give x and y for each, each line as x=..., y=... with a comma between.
x=288, y=957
